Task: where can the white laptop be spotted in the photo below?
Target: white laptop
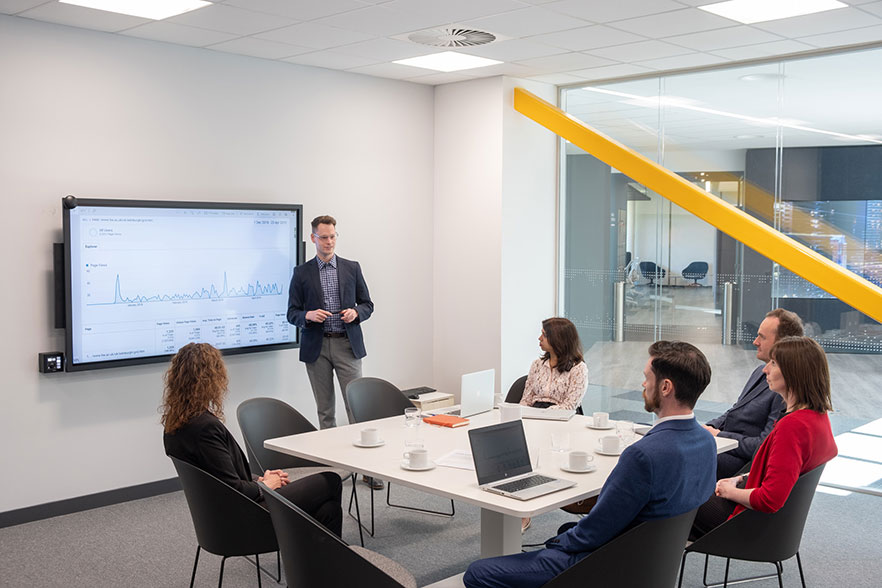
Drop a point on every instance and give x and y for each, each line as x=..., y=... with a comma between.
x=502, y=463
x=547, y=414
x=476, y=394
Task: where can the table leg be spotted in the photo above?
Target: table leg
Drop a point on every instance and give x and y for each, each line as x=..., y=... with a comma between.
x=500, y=534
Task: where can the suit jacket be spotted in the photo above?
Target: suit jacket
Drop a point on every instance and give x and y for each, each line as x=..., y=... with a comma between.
x=207, y=444
x=752, y=416
x=305, y=294
x=671, y=470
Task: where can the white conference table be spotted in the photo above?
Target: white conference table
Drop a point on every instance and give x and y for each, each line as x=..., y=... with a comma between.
x=500, y=515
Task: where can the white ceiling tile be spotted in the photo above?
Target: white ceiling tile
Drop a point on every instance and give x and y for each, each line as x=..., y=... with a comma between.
x=330, y=60
x=171, y=32
x=682, y=61
x=15, y=6
x=440, y=78
x=640, y=51
x=763, y=50
x=864, y=35
x=873, y=8
x=379, y=20
x=617, y=10
x=449, y=11
x=858, y=2
x=313, y=35
x=255, y=47
x=298, y=9
x=513, y=50
x=723, y=38
x=820, y=23
x=558, y=79
x=588, y=37
x=678, y=22
x=565, y=62
x=502, y=69
x=383, y=49
x=526, y=22
x=610, y=71
x=390, y=70
x=87, y=18
x=230, y=19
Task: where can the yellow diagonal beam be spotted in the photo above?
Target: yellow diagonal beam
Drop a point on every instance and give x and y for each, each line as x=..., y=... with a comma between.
x=817, y=269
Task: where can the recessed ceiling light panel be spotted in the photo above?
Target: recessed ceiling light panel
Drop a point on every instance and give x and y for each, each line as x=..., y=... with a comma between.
x=447, y=61
x=751, y=11
x=152, y=9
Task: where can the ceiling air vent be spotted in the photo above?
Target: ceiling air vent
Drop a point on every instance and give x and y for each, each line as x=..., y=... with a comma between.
x=451, y=37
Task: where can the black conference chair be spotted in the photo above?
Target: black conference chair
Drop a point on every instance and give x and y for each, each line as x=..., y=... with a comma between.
x=313, y=556
x=371, y=399
x=267, y=418
x=227, y=522
x=761, y=536
x=697, y=270
x=516, y=392
x=645, y=556
x=652, y=272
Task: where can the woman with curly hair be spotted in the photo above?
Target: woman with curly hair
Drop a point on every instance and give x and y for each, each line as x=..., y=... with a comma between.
x=192, y=416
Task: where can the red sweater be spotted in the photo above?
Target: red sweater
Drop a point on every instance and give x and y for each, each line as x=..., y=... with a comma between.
x=799, y=442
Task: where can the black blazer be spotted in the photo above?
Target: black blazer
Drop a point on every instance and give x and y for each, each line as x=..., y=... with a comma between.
x=206, y=443
x=752, y=417
x=305, y=294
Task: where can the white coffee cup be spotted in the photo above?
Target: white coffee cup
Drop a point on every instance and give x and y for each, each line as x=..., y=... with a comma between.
x=416, y=458
x=601, y=419
x=610, y=444
x=370, y=436
x=509, y=412
x=579, y=460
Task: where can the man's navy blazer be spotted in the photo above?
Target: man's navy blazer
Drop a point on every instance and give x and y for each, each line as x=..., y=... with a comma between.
x=752, y=417
x=305, y=294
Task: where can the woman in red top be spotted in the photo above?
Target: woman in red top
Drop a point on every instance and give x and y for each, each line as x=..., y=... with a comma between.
x=800, y=441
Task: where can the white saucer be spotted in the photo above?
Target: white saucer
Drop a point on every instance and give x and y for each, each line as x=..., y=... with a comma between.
x=358, y=443
x=606, y=428
x=587, y=470
x=404, y=466
x=614, y=453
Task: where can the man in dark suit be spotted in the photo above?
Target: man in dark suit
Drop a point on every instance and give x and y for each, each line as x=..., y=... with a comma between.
x=757, y=409
x=328, y=299
x=668, y=472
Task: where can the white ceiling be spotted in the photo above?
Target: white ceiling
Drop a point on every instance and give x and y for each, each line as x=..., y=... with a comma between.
x=554, y=41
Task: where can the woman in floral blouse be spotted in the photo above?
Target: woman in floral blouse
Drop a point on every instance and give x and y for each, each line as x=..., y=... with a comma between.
x=557, y=379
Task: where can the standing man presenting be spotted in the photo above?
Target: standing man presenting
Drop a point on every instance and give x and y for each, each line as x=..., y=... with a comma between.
x=328, y=299
x=757, y=409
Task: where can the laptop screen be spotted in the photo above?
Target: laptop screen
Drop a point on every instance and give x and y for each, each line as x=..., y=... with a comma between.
x=500, y=451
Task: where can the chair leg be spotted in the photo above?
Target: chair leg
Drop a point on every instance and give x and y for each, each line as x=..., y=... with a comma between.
x=704, y=576
x=682, y=568
x=354, y=497
x=799, y=564
x=416, y=509
x=726, y=575
x=780, y=569
x=257, y=564
x=279, y=567
x=195, y=563
x=220, y=578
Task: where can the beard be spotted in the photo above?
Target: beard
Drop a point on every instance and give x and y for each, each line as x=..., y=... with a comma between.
x=652, y=402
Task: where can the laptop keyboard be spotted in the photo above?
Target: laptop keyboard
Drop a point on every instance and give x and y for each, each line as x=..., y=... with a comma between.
x=524, y=483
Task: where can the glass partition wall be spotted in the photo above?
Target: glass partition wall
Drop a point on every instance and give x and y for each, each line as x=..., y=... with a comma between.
x=796, y=144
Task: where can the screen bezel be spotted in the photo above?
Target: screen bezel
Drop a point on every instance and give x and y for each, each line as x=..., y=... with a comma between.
x=160, y=204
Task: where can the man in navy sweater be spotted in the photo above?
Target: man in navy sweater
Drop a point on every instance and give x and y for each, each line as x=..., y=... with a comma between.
x=668, y=472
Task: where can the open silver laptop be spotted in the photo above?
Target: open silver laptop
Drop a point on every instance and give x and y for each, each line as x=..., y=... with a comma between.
x=502, y=463
x=476, y=394
x=547, y=414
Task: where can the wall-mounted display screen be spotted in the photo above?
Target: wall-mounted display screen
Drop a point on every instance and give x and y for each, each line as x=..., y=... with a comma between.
x=144, y=278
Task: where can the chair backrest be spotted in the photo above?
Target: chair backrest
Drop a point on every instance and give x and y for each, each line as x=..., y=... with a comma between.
x=649, y=269
x=313, y=556
x=646, y=555
x=373, y=398
x=516, y=392
x=764, y=536
x=226, y=521
x=267, y=418
x=696, y=269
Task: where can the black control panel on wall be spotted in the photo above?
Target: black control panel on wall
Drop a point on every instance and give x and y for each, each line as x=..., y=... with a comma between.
x=51, y=362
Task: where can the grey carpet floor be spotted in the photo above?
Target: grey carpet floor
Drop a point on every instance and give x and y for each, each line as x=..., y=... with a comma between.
x=150, y=542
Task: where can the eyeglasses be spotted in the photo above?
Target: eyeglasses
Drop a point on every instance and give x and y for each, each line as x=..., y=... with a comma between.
x=326, y=237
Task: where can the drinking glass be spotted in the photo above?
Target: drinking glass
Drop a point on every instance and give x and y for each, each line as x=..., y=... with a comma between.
x=560, y=446
x=625, y=431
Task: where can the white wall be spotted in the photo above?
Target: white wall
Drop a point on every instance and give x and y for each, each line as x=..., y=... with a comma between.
x=100, y=115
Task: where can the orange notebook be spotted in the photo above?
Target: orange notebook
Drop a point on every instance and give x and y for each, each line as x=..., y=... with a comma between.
x=446, y=420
